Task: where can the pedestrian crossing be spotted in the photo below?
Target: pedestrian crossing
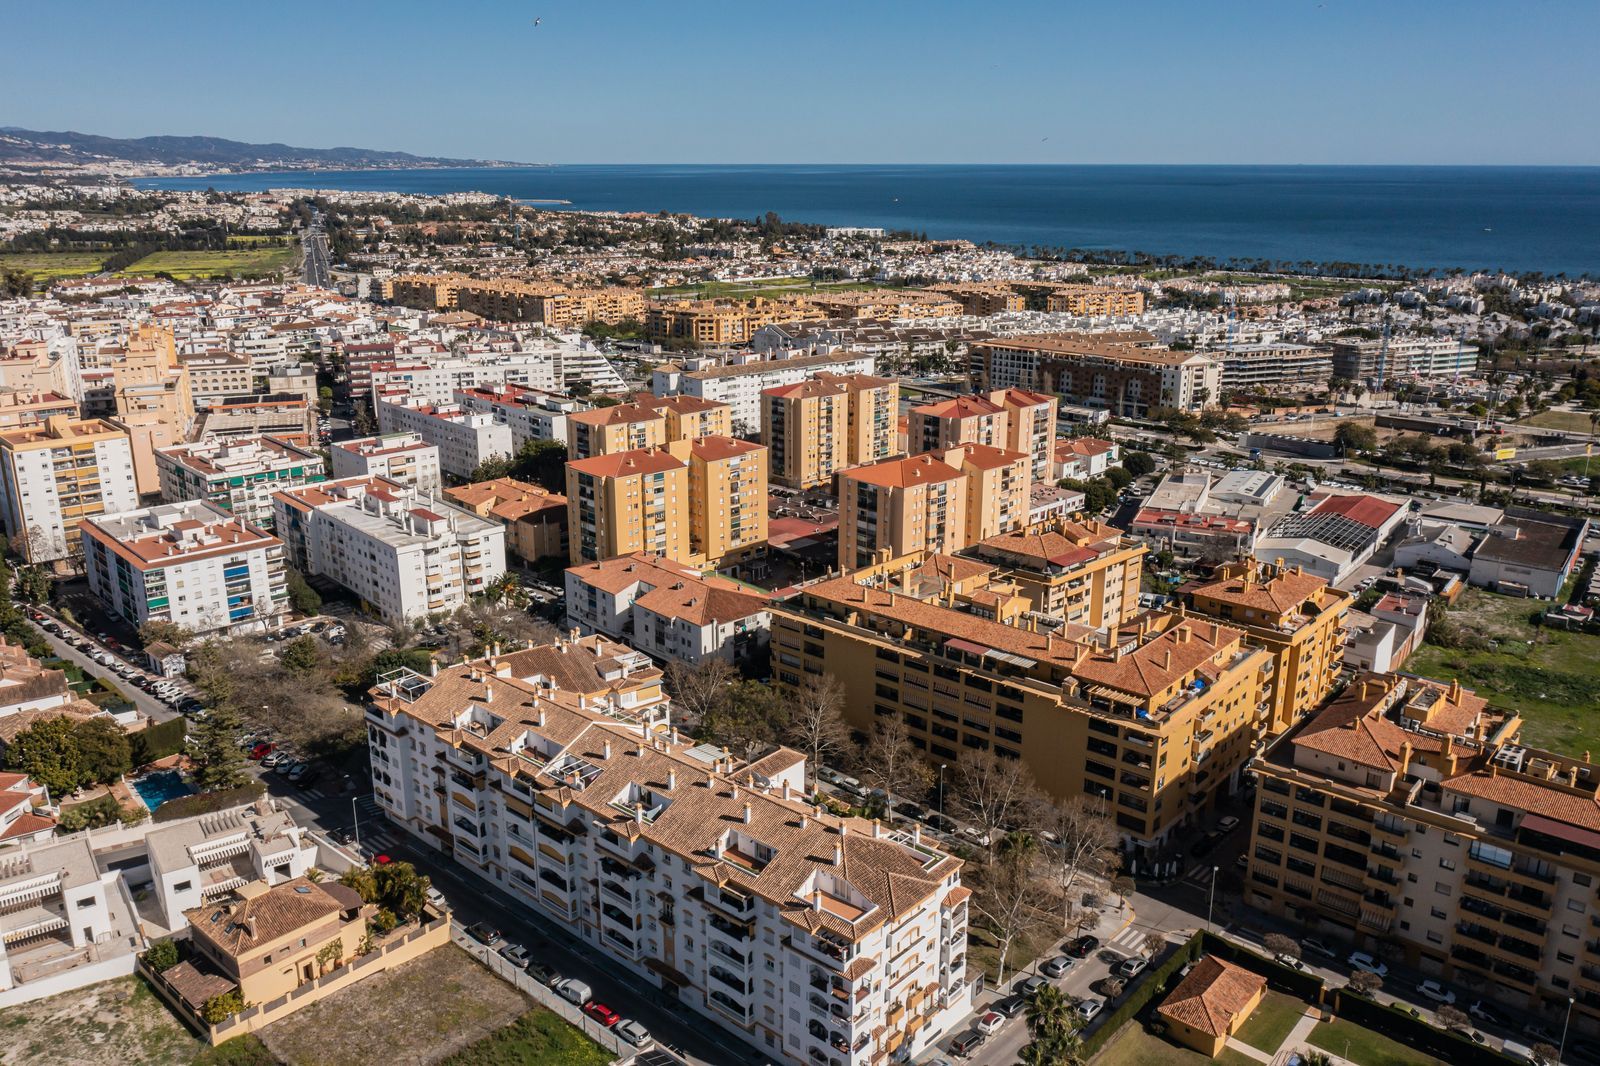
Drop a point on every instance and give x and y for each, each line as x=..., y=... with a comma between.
x=1128, y=941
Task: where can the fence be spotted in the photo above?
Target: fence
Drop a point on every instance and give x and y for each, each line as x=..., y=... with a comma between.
x=540, y=993
x=1446, y=1045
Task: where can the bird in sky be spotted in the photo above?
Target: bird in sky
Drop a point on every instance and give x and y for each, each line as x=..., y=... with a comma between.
x=537, y=22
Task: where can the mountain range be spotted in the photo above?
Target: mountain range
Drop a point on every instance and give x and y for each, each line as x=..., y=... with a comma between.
x=48, y=146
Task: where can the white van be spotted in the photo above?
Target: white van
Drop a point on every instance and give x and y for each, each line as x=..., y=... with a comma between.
x=573, y=991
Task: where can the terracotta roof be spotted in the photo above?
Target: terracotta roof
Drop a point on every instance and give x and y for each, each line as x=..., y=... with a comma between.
x=1264, y=587
x=1534, y=797
x=27, y=825
x=980, y=456
x=1212, y=996
x=1365, y=510
x=616, y=415
x=238, y=926
x=628, y=463
x=960, y=407
x=806, y=388
x=903, y=473
x=701, y=606
x=714, y=448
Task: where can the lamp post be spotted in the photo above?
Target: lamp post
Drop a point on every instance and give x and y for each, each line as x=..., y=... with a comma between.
x=941, y=790
x=1212, y=898
x=1561, y=1053
x=356, y=815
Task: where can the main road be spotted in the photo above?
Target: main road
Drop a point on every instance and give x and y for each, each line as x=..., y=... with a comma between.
x=315, y=266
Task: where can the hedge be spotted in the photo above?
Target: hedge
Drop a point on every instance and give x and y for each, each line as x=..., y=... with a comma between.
x=208, y=802
x=1302, y=984
x=1152, y=984
x=1447, y=1045
x=158, y=741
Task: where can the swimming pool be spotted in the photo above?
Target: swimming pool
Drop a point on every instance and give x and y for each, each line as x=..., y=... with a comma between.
x=155, y=789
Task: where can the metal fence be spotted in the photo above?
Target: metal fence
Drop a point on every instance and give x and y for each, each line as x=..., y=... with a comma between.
x=540, y=993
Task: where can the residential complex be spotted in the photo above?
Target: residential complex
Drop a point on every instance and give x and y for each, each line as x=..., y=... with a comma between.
x=688, y=417
x=465, y=439
x=54, y=476
x=1272, y=366
x=1109, y=371
x=1016, y=419
x=197, y=860
x=190, y=563
x=402, y=457
x=727, y=510
x=535, y=520
x=404, y=553
x=548, y=773
x=153, y=400
x=899, y=507
x=532, y=415
x=436, y=379
x=1081, y=572
x=1156, y=716
x=628, y=502
x=609, y=430
x=552, y=303
x=238, y=475
x=1380, y=360
x=740, y=383
x=55, y=904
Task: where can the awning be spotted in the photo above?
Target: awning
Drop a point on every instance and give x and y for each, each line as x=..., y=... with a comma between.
x=967, y=646
x=1538, y=823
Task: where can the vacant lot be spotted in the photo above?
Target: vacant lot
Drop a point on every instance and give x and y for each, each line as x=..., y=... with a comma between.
x=437, y=1005
x=1550, y=676
x=1572, y=421
x=1365, y=1047
x=47, y=267
x=112, y=1023
x=538, y=1038
x=239, y=262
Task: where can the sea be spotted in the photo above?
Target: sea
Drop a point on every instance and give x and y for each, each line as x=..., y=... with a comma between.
x=1522, y=219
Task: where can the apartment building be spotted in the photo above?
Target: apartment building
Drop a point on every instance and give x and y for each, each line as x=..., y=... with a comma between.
x=197, y=860
x=216, y=375
x=465, y=439
x=556, y=304
x=1095, y=300
x=547, y=772
x=531, y=415
x=999, y=487
x=406, y=554
x=1380, y=360
x=402, y=457
x=1085, y=573
x=982, y=298
x=190, y=563
x=688, y=417
x=668, y=610
x=900, y=507
x=881, y=303
x=1103, y=371
x=27, y=410
x=712, y=323
x=628, y=502
x=54, y=476
x=620, y=428
x=275, y=414
x=1274, y=366
x=873, y=413
x=535, y=520
x=727, y=500
x=740, y=383
x=806, y=427
x=153, y=399
x=963, y=420
x=436, y=379
x=1030, y=427
x=1407, y=816
x=1157, y=716
x=1295, y=615
x=238, y=475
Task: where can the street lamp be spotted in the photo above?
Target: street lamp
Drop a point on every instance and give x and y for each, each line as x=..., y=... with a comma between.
x=1212, y=898
x=941, y=790
x=355, y=813
x=1561, y=1053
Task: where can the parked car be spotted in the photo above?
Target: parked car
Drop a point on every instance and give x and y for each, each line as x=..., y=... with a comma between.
x=1131, y=967
x=1227, y=824
x=1088, y=1008
x=302, y=774
x=573, y=991
x=516, y=955
x=989, y=1023
x=1539, y=1033
x=1057, y=966
x=1314, y=946
x=601, y=1013
x=436, y=898
x=273, y=758
x=968, y=1042
x=1083, y=946
x=632, y=1032
x=1206, y=844
x=1011, y=1006
x=1029, y=986
x=286, y=766
x=1485, y=1013
x=541, y=972
x=1436, y=992
x=484, y=933
x=1360, y=960
x=260, y=751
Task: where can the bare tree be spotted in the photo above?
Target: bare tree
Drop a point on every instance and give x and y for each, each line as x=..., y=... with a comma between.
x=1011, y=897
x=818, y=728
x=1454, y=1017
x=995, y=794
x=1365, y=983
x=699, y=690
x=1279, y=944
x=891, y=763
x=1088, y=841
x=1152, y=943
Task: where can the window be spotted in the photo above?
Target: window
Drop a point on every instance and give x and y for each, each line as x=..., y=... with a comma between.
x=85, y=903
x=1582, y=879
x=1441, y=888
x=1447, y=864
x=1575, y=905
x=182, y=886
x=1435, y=938
x=1437, y=912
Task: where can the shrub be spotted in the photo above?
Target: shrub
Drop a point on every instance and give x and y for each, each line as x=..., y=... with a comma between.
x=221, y=1007
x=162, y=956
x=158, y=741
x=208, y=802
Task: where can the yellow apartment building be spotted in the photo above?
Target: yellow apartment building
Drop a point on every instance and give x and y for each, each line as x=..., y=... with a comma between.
x=1030, y=426
x=806, y=427
x=900, y=507
x=1083, y=572
x=963, y=420
x=154, y=401
x=713, y=323
x=1155, y=717
x=554, y=303
x=689, y=416
x=609, y=430
x=983, y=297
x=535, y=520
x=998, y=488
x=873, y=408
x=727, y=500
x=1295, y=615
x=626, y=502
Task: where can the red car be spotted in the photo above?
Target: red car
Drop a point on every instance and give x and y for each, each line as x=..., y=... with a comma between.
x=601, y=1013
x=261, y=751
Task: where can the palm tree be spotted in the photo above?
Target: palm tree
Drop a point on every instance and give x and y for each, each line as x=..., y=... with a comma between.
x=1053, y=1025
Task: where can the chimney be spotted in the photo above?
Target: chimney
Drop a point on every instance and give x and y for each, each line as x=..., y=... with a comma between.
x=802, y=821
x=605, y=750
x=1455, y=690
x=786, y=790
x=1405, y=757
x=672, y=780
x=433, y=667
x=916, y=834
x=733, y=792
x=838, y=854
x=747, y=814
x=488, y=692
x=638, y=814
x=539, y=715
x=877, y=829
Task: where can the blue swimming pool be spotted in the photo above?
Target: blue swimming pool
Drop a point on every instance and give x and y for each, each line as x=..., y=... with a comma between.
x=155, y=789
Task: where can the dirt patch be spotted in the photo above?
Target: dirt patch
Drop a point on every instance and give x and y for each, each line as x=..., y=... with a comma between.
x=441, y=1003
x=108, y=1024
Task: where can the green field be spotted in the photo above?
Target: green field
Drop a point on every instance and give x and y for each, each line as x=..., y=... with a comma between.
x=1135, y=1047
x=1571, y=421
x=240, y=262
x=47, y=267
x=1553, y=682
x=1271, y=1022
x=1365, y=1047
x=538, y=1038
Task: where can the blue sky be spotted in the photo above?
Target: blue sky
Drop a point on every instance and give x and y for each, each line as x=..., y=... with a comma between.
x=1200, y=81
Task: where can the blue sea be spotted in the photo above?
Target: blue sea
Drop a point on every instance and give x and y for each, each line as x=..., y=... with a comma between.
x=1514, y=218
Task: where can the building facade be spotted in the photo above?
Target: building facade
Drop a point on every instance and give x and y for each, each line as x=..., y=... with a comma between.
x=402, y=457
x=628, y=502
x=238, y=475
x=54, y=476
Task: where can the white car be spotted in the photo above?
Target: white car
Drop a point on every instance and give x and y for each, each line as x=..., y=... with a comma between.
x=1360, y=960
x=632, y=1032
x=990, y=1023
x=1437, y=992
x=1089, y=1008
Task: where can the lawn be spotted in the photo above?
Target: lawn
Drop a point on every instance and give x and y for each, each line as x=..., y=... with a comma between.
x=206, y=264
x=1136, y=1047
x=107, y=1024
x=1553, y=681
x=1270, y=1022
x=1365, y=1047
x=1572, y=421
x=442, y=1002
x=47, y=267
x=538, y=1038
x=983, y=951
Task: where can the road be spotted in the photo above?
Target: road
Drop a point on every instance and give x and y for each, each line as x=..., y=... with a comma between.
x=146, y=703
x=316, y=269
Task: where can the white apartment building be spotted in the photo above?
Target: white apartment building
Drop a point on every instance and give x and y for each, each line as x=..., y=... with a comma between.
x=740, y=384
x=402, y=457
x=189, y=563
x=435, y=380
x=531, y=415
x=55, y=904
x=464, y=438
x=405, y=553
x=815, y=938
x=1274, y=365
x=238, y=474
x=54, y=476
x=199, y=859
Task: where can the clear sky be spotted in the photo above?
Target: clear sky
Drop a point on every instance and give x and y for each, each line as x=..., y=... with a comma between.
x=1026, y=81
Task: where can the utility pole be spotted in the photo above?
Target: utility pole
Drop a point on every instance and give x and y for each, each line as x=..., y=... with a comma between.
x=1212, y=898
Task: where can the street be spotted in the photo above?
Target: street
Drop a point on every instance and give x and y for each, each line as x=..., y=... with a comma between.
x=316, y=268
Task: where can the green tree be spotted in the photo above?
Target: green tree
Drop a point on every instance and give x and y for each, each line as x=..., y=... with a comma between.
x=1355, y=437
x=162, y=955
x=542, y=462
x=214, y=748
x=220, y=1008
x=302, y=597
x=1139, y=463
x=400, y=889
x=325, y=400
x=753, y=716
x=496, y=466
x=34, y=584
x=157, y=631
x=104, y=752
x=302, y=656
x=47, y=751
x=1119, y=477
x=211, y=674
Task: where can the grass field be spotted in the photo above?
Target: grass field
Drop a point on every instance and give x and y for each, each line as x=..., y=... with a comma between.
x=1271, y=1021
x=1554, y=682
x=111, y=1023
x=538, y=1038
x=239, y=262
x=47, y=267
x=1572, y=421
x=1135, y=1047
x=1365, y=1047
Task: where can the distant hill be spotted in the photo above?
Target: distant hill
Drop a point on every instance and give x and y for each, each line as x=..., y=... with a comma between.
x=35, y=146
